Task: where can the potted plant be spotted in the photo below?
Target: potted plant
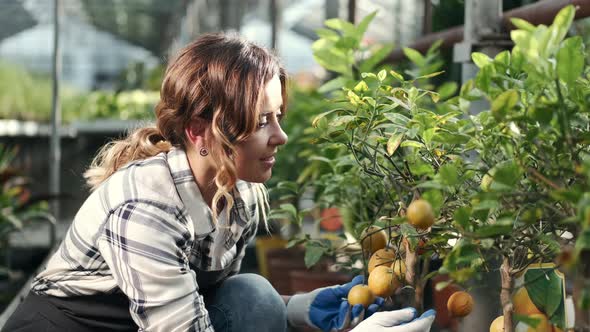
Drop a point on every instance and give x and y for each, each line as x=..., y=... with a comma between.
x=17, y=208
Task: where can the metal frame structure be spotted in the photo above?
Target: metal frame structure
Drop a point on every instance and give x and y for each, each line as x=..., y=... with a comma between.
x=541, y=12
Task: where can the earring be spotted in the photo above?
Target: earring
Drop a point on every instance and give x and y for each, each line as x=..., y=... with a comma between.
x=203, y=152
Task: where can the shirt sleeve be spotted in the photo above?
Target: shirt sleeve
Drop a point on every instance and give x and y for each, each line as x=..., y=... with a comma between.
x=145, y=247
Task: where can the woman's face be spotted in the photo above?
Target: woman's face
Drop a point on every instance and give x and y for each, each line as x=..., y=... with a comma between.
x=255, y=156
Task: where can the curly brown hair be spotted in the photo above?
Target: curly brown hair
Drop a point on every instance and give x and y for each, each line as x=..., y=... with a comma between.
x=218, y=80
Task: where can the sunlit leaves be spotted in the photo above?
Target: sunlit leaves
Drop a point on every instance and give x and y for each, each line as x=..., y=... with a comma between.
x=570, y=60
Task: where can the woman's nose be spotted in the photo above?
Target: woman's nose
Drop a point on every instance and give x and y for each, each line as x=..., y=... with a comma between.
x=279, y=137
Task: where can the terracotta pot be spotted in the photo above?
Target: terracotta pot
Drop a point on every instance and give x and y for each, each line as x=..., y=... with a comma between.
x=331, y=219
x=440, y=298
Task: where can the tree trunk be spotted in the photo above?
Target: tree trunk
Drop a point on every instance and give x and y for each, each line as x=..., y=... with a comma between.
x=411, y=262
x=421, y=284
x=507, y=307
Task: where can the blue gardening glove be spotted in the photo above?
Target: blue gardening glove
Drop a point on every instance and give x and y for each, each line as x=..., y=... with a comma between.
x=327, y=308
x=403, y=320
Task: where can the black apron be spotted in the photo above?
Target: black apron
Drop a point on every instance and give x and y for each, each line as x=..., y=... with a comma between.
x=103, y=312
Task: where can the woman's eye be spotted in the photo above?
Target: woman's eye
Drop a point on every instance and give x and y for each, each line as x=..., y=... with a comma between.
x=263, y=121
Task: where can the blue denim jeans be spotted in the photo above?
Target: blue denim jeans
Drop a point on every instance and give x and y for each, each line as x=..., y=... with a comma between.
x=246, y=303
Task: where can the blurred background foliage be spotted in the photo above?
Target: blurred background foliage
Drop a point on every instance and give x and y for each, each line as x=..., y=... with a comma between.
x=26, y=96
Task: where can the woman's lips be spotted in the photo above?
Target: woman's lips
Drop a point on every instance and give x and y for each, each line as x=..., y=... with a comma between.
x=269, y=161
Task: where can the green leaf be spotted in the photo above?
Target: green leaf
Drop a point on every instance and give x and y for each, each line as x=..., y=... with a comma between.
x=521, y=38
x=447, y=90
x=399, y=102
x=410, y=143
x=522, y=24
x=507, y=173
x=449, y=174
x=435, y=198
x=289, y=208
x=542, y=114
x=396, y=75
x=462, y=254
x=430, y=75
x=353, y=98
x=462, y=216
x=340, y=25
x=422, y=169
x=342, y=120
x=443, y=284
x=570, y=60
x=415, y=56
x=361, y=87
x=500, y=227
x=370, y=101
x=294, y=242
x=382, y=75
x=450, y=137
x=16, y=222
x=434, y=96
x=431, y=185
x=545, y=289
x=428, y=134
x=486, y=205
x=397, y=118
x=364, y=24
x=393, y=143
x=317, y=119
x=484, y=78
x=563, y=20
x=434, y=47
x=480, y=59
x=332, y=58
x=409, y=232
x=288, y=185
x=504, y=103
x=328, y=34
x=313, y=253
x=503, y=58
x=530, y=321
x=275, y=215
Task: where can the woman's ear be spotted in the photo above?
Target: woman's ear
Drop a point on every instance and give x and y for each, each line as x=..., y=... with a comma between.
x=196, y=131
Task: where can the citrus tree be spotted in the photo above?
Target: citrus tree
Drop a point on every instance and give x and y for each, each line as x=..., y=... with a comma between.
x=425, y=178
x=532, y=149
x=387, y=145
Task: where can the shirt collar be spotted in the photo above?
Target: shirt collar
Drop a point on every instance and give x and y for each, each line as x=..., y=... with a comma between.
x=198, y=211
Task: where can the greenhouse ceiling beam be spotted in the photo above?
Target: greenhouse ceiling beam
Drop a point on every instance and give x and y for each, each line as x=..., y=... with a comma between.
x=275, y=22
x=541, y=12
x=230, y=14
x=352, y=11
x=55, y=142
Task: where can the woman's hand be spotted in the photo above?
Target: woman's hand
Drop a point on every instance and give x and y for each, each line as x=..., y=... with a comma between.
x=328, y=309
x=403, y=320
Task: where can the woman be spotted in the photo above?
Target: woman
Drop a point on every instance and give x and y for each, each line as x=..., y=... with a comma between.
x=158, y=244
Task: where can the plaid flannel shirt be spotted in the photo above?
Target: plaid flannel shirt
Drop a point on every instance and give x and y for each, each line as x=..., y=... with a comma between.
x=146, y=231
